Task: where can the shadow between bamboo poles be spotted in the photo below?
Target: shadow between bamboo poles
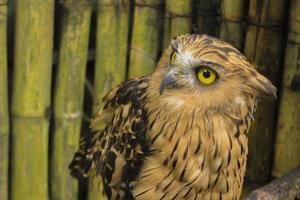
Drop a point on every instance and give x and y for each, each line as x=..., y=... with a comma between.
x=206, y=17
x=287, y=151
x=145, y=37
x=232, y=27
x=68, y=96
x=111, y=59
x=31, y=99
x=4, y=117
x=177, y=19
x=263, y=48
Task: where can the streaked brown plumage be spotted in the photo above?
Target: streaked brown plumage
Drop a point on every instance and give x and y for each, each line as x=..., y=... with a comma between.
x=169, y=136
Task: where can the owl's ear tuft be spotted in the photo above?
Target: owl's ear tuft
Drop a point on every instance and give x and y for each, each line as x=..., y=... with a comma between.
x=174, y=44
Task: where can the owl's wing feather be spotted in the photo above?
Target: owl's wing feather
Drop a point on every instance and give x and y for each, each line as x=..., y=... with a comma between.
x=118, y=144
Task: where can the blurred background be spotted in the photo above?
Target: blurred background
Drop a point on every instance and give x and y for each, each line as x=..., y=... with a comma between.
x=58, y=57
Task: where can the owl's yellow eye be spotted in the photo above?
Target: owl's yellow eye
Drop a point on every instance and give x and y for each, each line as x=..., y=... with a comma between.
x=172, y=57
x=206, y=75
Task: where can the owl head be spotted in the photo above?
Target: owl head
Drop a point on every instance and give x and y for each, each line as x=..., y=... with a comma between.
x=209, y=72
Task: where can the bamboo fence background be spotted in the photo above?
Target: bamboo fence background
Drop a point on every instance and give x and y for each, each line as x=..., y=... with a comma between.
x=59, y=57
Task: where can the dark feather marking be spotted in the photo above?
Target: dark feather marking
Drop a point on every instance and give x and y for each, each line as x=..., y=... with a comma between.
x=187, y=193
x=191, y=182
x=216, y=181
x=241, y=145
x=168, y=185
x=203, y=161
x=183, y=172
x=219, y=168
x=227, y=185
x=163, y=196
x=230, y=141
x=196, y=196
x=175, y=127
x=176, y=195
x=185, y=152
x=158, y=134
x=228, y=158
x=199, y=143
x=216, y=151
x=193, y=116
x=237, y=134
x=145, y=191
x=175, y=148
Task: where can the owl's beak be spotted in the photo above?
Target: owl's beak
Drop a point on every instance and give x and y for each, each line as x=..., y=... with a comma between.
x=264, y=86
x=168, y=82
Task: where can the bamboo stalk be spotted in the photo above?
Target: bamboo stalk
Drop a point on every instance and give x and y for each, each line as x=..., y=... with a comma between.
x=111, y=47
x=206, y=17
x=111, y=59
x=232, y=15
x=263, y=48
x=4, y=118
x=31, y=99
x=177, y=19
x=287, y=152
x=68, y=95
x=145, y=37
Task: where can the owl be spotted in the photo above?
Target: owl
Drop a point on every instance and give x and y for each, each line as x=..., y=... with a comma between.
x=179, y=133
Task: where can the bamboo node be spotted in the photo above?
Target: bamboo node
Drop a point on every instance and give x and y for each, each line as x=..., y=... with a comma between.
x=272, y=27
x=175, y=15
x=152, y=6
x=237, y=20
x=74, y=115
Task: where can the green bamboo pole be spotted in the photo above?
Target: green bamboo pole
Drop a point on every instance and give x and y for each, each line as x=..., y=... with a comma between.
x=145, y=37
x=111, y=58
x=4, y=118
x=287, y=151
x=263, y=48
x=232, y=15
x=68, y=95
x=111, y=47
x=177, y=19
x=206, y=17
x=31, y=99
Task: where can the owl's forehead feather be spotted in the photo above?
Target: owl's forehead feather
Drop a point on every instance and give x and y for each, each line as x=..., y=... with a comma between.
x=195, y=47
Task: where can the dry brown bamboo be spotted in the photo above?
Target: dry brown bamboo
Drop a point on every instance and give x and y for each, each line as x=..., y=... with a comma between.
x=145, y=37
x=263, y=48
x=31, y=99
x=206, y=17
x=287, y=151
x=4, y=117
x=232, y=26
x=68, y=95
x=177, y=19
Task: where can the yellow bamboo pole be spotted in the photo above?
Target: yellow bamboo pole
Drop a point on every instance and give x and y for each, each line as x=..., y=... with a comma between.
x=206, y=17
x=263, y=48
x=232, y=15
x=287, y=151
x=111, y=58
x=31, y=99
x=145, y=37
x=177, y=19
x=68, y=95
x=4, y=118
